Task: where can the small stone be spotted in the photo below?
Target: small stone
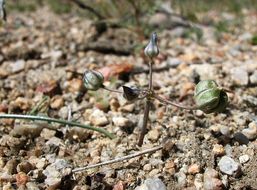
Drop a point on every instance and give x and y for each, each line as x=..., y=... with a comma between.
x=253, y=78
x=152, y=184
x=159, y=19
x=251, y=131
x=193, y=169
x=239, y=76
x=128, y=108
x=228, y=166
x=21, y=178
x=198, y=182
x=224, y=130
x=153, y=135
x=32, y=186
x=47, y=133
x=211, y=181
x=241, y=138
x=121, y=121
x=10, y=166
x=218, y=150
x=119, y=186
x=98, y=118
x=21, y=103
x=56, y=102
x=17, y=66
x=147, y=167
x=25, y=167
x=244, y=158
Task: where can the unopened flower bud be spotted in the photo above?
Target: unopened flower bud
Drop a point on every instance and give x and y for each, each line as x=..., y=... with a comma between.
x=209, y=97
x=2, y=10
x=152, y=50
x=130, y=94
x=93, y=80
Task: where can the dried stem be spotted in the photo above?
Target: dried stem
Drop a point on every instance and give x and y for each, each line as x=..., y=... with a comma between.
x=163, y=100
x=50, y=120
x=147, y=106
x=151, y=150
x=111, y=90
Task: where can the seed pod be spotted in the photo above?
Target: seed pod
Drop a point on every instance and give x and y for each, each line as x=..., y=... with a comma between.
x=152, y=50
x=2, y=10
x=209, y=97
x=130, y=94
x=93, y=80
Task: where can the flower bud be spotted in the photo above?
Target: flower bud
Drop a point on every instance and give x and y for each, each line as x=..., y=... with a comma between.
x=93, y=80
x=2, y=10
x=209, y=97
x=130, y=94
x=152, y=50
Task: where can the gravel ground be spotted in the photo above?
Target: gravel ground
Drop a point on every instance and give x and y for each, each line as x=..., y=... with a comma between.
x=214, y=151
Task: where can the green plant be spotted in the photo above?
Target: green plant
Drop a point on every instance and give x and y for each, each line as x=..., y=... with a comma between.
x=208, y=96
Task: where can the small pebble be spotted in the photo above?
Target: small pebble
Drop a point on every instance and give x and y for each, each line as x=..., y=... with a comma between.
x=193, y=169
x=218, y=150
x=228, y=166
x=211, y=180
x=251, y=131
x=47, y=133
x=241, y=138
x=152, y=184
x=239, y=76
x=56, y=102
x=244, y=158
x=121, y=121
x=253, y=78
x=98, y=118
x=153, y=135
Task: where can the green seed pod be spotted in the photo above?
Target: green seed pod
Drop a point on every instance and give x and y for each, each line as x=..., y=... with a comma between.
x=151, y=50
x=93, y=80
x=209, y=97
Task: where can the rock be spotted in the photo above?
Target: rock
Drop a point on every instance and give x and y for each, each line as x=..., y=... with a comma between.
x=224, y=130
x=10, y=166
x=26, y=128
x=239, y=76
x=152, y=184
x=228, y=166
x=211, y=180
x=245, y=36
x=218, y=150
x=55, y=172
x=47, y=133
x=25, y=167
x=21, y=179
x=173, y=61
x=206, y=71
x=193, y=169
x=32, y=186
x=251, y=131
x=253, y=78
x=181, y=178
x=244, y=158
x=153, y=135
x=198, y=182
x=250, y=100
x=17, y=66
x=21, y=103
x=119, y=186
x=98, y=118
x=121, y=121
x=77, y=133
x=241, y=138
x=56, y=102
x=128, y=108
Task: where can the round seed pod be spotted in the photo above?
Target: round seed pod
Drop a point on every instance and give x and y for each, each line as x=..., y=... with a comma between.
x=209, y=97
x=93, y=80
x=152, y=50
x=130, y=94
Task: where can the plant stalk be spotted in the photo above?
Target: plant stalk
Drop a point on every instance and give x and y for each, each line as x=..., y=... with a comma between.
x=163, y=100
x=147, y=106
x=111, y=90
x=48, y=119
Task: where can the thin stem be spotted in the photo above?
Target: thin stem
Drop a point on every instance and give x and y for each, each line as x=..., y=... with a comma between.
x=151, y=74
x=151, y=150
x=147, y=106
x=163, y=100
x=145, y=120
x=48, y=119
x=111, y=90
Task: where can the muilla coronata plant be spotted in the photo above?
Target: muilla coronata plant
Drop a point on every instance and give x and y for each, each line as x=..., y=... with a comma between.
x=208, y=96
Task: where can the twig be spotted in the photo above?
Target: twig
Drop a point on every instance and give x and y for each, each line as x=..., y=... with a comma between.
x=86, y=7
x=163, y=100
x=111, y=90
x=48, y=119
x=151, y=150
